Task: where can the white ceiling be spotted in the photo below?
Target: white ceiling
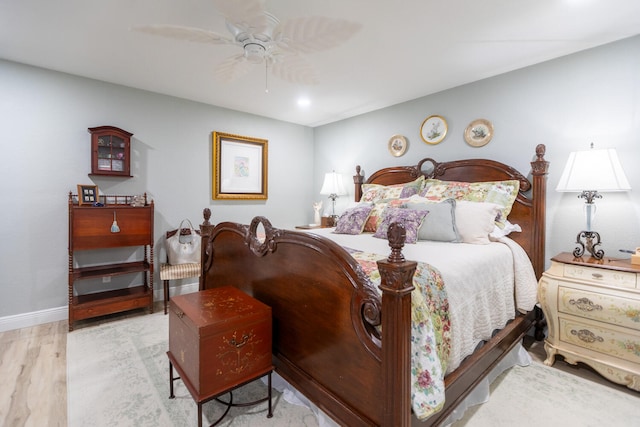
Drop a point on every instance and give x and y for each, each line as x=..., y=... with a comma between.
x=405, y=49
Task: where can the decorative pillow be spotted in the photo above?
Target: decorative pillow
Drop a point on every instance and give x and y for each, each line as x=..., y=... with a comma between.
x=375, y=217
x=352, y=220
x=412, y=219
x=411, y=188
x=503, y=193
x=440, y=224
x=377, y=192
x=475, y=220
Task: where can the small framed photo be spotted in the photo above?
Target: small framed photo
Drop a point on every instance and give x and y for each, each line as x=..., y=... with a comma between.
x=87, y=194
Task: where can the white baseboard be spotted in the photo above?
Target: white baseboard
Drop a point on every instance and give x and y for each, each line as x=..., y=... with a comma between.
x=178, y=290
x=34, y=318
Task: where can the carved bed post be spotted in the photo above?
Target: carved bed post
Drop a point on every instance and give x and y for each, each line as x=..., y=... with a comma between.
x=539, y=170
x=205, y=232
x=396, y=285
x=358, y=179
x=206, y=226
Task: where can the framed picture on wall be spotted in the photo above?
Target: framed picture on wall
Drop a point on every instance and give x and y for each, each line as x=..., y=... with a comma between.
x=433, y=129
x=239, y=167
x=397, y=145
x=87, y=194
x=478, y=133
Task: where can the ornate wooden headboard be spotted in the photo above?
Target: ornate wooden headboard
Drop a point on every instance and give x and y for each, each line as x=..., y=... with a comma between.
x=528, y=209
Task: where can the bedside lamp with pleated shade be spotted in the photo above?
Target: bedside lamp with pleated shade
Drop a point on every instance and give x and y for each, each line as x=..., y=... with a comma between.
x=590, y=173
x=333, y=186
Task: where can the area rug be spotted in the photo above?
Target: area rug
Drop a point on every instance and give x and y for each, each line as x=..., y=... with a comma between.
x=118, y=375
x=538, y=395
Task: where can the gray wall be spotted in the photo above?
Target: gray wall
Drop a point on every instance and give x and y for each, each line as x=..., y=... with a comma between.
x=44, y=118
x=567, y=103
x=592, y=96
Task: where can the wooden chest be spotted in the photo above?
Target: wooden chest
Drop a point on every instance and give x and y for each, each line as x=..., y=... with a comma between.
x=218, y=339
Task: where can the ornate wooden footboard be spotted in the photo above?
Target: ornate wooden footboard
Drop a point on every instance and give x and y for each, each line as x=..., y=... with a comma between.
x=326, y=342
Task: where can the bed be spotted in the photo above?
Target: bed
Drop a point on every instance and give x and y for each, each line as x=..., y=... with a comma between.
x=341, y=342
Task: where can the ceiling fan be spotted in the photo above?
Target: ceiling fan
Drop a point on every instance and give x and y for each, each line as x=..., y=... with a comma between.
x=265, y=40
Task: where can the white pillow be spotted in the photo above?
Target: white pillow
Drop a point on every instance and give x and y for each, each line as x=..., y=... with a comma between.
x=475, y=220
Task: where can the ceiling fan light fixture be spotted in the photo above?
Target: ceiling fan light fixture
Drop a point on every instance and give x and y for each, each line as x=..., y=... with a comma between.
x=264, y=40
x=254, y=52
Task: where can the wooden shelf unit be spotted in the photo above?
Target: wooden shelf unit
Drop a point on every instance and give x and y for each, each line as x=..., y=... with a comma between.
x=90, y=229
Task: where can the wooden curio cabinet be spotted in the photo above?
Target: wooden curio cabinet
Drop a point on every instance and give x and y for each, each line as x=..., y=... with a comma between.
x=110, y=151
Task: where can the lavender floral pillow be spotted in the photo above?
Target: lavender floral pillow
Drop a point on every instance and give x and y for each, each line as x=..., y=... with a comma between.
x=352, y=220
x=412, y=220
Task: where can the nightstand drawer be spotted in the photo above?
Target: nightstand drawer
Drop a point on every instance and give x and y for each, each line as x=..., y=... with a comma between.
x=616, y=343
x=603, y=276
x=616, y=310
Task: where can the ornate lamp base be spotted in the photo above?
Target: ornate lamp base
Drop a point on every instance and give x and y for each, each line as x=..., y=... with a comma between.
x=591, y=241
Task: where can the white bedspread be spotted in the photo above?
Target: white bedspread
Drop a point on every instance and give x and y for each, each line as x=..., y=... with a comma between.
x=480, y=281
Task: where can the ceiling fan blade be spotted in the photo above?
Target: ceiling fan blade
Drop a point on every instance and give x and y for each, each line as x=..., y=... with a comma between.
x=184, y=33
x=295, y=69
x=314, y=33
x=245, y=14
x=233, y=68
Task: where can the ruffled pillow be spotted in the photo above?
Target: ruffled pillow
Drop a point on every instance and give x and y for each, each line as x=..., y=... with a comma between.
x=503, y=193
x=412, y=220
x=376, y=192
x=475, y=220
x=352, y=220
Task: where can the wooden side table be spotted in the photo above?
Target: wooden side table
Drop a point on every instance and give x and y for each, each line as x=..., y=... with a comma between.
x=219, y=340
x=592, y=308
x=309, y=227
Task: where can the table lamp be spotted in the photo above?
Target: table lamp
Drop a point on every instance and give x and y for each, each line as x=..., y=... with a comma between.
x=333, y=186
x=590, y=173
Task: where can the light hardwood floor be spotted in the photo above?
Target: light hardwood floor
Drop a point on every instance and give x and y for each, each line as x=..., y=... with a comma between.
x=33, y=369
x=33, y=372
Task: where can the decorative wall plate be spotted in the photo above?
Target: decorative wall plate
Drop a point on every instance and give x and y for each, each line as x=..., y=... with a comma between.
x=397, y=145
x=433, y=129
x=478, y=133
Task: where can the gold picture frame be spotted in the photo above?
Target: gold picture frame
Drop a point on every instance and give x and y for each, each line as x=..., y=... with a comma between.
x=397, y=145
x=478, y=133
x=239, y=167
x=87, y=194
x=434, y=129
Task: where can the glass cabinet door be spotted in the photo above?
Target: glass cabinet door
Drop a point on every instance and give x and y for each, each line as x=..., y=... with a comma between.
x=110, y=151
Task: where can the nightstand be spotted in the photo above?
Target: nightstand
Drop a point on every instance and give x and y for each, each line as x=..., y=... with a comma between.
x=592, y=308
x=219, y=340
x=326, y=222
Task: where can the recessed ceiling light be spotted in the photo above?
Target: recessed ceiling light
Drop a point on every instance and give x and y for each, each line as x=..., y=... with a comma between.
x=304, y=102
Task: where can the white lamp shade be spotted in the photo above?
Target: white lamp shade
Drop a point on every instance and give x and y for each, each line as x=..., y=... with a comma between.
x=593, y=170
x=333, y=184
